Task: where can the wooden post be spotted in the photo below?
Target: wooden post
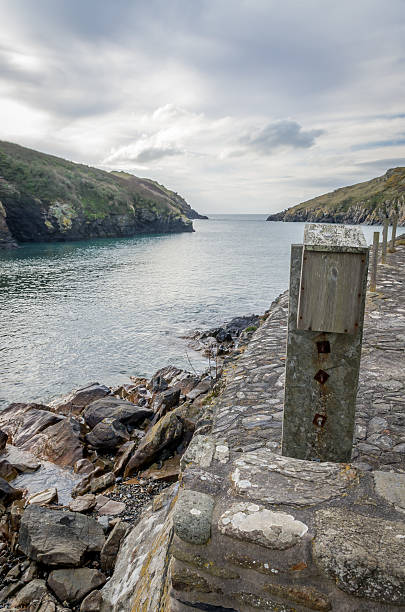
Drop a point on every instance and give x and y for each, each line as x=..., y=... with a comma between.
x=394, y=233
x=384, y=241
x=328, y=284
x=374, y=262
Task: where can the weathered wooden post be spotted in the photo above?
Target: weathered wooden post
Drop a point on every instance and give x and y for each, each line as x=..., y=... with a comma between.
x=394, y=233
x=384, y=241
x=328, y=284
x=374, y=261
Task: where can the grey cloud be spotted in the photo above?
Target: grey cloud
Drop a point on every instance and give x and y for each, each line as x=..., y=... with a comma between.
x=154, y=153
x=284, y=133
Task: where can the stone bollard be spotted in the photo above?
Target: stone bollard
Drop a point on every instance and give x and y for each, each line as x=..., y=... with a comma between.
x=374, y=261
x=328, y=283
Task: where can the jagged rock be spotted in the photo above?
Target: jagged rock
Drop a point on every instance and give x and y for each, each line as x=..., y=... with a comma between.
x=3, y=440
x=166, y=431
x=82, y=487
x=58, y=538
x=59, y=443
x=116, y=409
x=31, y=593
x=75, y=402
x=83, y=466
x=72, y=585
x=83, y=503
x=43, y=497
x=7, y=471
x=25, y=466
x=92, y=603
x=110, y=549
x=102, y=482
x=168, y=399
x=8, y=493
x=9, y=590
x=109, y=507
x=109, y=433
x=203, y=387
x=123, y=454
x=21, y=422
x=168, y=472
x=30, y=573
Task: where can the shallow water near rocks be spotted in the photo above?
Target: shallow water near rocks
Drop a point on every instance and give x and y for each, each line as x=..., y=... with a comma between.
x=102, y=310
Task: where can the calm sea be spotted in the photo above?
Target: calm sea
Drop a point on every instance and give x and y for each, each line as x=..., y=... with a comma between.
x=101, y=310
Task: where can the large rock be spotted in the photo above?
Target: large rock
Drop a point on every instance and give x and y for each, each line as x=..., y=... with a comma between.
x=75, y=402
x=165, y=433
x=364, y=555
x=21, y=422
x=3, y=441
x=72, y=585
x=59, y=443
x=117, y=409
x=8, y=493
x=54, y=538
x=109, y=433
x=110, y=549
x=123, y=454
x=92, y=603
x=7, y=471
x=31, y=593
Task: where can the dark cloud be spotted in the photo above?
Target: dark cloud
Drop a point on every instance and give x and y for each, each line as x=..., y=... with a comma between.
x=281, y=134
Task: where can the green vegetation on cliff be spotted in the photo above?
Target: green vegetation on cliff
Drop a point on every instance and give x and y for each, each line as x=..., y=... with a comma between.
x=367, y=202
x=48, y=198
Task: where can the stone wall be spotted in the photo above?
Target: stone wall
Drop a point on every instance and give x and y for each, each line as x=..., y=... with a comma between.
x=251, y=530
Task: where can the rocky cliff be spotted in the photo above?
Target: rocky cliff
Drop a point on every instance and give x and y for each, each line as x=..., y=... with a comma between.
x=367, y=202
x=45, y=198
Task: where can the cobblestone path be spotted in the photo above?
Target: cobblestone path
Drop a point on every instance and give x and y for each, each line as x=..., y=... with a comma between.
x=250, y=410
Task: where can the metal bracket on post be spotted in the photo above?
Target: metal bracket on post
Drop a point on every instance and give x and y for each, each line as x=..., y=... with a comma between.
x=328, y=286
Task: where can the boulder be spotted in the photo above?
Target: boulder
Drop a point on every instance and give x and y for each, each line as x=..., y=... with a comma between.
x=54, y=538
x=123, y=454
x=169, y=471
x=203, y=387
x=42, y=498
x=7, y=471
x=109, y=433
x=84, y=503
x=110, y=507
x=83, y=466
x=21, y=422
x=110, y=549
x=25, y=466
x=3, y=440
x=165, y=433
x=116, y=409
x=31, y=593
x=92, y=603
x=8, y=494
x=169, y=399
x=72, y=585
x=75, y=402
x=102, y=482
x=59, y=443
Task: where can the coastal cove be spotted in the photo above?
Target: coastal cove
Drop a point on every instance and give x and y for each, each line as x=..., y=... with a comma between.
x=76, y=312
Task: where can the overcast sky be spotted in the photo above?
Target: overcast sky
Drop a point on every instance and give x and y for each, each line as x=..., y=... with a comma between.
x=245, y=106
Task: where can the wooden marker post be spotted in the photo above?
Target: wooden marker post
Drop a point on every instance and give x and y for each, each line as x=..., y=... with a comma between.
x=328, y=284
x=384, y=241
x=374, y=261
x=394, y=233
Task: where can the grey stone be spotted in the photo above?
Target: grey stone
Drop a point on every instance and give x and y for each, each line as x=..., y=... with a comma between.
x=117, y=409
x=102, y=482
x=110, y=549
x=75, y=402
x=72, y=585
x=376, y=424
x=363, y=555
x=30, y=593
x=83, y=503
x=92, y=603
x=257, y=420
x=108, y=433
x=193, y=516
x=200, y=451
x=254, y=523
x=391, y=487
x=58, y=538
x=262, y=475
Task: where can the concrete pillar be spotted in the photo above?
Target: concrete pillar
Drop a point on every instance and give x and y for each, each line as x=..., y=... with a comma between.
x=328, y=283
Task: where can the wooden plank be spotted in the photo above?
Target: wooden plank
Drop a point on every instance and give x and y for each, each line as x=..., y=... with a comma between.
x=331, y=291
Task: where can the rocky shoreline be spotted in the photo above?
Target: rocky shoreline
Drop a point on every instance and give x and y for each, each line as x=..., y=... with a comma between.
x=77, y=474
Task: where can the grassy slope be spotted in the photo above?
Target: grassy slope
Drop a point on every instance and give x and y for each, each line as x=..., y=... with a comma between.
x=370, y=195
x=94, y=192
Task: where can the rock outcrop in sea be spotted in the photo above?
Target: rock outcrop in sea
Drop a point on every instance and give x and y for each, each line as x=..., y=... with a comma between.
x=368, y=203
x=44, y=198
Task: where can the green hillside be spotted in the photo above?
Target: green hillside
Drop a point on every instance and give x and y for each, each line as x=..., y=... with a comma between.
x=367, y=202
x=48, y=198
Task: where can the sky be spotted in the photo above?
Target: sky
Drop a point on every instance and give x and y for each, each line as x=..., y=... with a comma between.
x=241, y=106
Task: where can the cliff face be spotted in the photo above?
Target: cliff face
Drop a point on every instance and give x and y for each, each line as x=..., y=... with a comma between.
x=367, y=203
x=46, y=198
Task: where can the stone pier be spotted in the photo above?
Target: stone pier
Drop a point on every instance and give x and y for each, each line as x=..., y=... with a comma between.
x=251, y=530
